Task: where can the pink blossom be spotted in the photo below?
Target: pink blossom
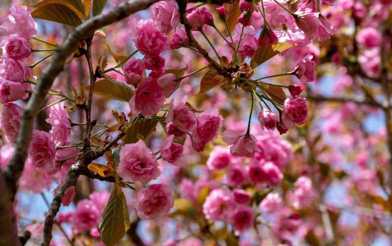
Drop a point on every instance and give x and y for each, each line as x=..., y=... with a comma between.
x=236, y=175
x=149, y=40
x=370, y=61
x=171, y=151
x=199, y=17
x=242, y=218
x=244, y=146
x=173, y=130
x=34, y=179
x=149, y=97
x=206, y=128
x=6, y=152
x=19, y=22
x=137, y=163
x=303, y=193
x=314, y=25
x=271, y=203
x=12, y=91
x=268, y=119
x=277, y=16
x=165, y=15
x=271, y=147
x=17, y=47
x=369, y=37
x=265, y=173
x=42, y=150
x=245, y=6
x=155, y=64
x=191, y=241
x=248, y=46
x=219, y=158
x=10, y=120
x=179, y=38
x=241, y=196
x=86, y=216
x=307, y=69
x=61, y=127
x=13, y=70
x=218, y=205
x=296, y=110
x=154, y=201
x=100, y=199
x=182, y=117
x=133, y=70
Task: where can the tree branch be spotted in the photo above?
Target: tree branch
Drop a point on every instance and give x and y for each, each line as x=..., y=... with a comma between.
x=321, y=99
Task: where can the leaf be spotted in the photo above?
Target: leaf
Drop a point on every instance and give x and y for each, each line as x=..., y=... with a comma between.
x=87, y=7
x=115, y=219
x=140, y=128
x=276, y=93
x=210, y=80
x=101, y=170
x=113, y=89
x=234, y=13
x=69, y=12
x=267, y=49
x=98, y=6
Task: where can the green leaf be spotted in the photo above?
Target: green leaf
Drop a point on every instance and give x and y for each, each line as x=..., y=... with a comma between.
x=140, y=128
x=68, y=12
x=115, y=219
x=266, y=51
x=98, y=6
x=113, y=89
x=210, y=80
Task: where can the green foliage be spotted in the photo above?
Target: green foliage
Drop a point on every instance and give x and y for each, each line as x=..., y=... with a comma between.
x=115, y=220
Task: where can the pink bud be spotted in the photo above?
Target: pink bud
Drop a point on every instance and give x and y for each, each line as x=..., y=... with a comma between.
x=244, y=146
x=206, y=129
x=296, y=110
x=68, y=196
x=295, y=90
x=268, y=119
x=221, y=11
